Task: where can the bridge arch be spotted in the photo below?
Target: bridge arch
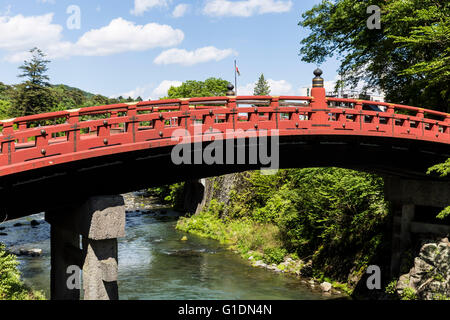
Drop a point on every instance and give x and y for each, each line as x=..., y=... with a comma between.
x=54, y=158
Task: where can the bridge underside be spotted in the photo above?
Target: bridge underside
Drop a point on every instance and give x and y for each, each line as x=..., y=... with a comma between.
x=58, y=186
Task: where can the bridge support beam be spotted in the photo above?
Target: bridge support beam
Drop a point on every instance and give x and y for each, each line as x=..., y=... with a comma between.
x=406, y=195
x=99, y=221
x=401, y=235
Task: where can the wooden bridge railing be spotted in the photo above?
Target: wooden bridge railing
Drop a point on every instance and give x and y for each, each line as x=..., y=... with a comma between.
x=56, y=137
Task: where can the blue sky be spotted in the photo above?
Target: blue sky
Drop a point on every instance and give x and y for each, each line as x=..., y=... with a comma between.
x=141, y=47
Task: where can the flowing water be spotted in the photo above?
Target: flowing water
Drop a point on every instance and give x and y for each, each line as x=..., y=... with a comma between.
x=155, y=264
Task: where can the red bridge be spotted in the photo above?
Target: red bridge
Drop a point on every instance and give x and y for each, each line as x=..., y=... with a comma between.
x=52, y=158
x=67, y=163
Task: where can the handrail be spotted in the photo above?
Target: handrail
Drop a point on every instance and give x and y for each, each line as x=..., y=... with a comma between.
x=56, y=137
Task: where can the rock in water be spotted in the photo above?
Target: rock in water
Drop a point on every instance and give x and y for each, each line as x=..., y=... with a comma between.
x=30, y=252
x=34, y=223
x=325, y=286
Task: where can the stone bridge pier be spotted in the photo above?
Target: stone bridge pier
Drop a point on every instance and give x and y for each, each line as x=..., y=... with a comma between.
x=406, y=196
x=84, y=238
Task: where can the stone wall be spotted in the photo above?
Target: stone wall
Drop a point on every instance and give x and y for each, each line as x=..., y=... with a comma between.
x=219, y=188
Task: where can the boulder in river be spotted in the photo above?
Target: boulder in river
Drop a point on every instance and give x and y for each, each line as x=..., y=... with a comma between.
x=3, y=234
x=30, y=252
x=325, y=286
x=18, y=224
x=34, y=223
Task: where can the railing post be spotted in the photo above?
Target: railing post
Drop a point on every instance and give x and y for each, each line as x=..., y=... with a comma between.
x=132, y=120
x=114, y=114
x=231, y=117
x=421, y=115
x=72, y=135
x=319, y=102
x=275, y=105
x=8, y=145
x=23, y=126
x=184, y=108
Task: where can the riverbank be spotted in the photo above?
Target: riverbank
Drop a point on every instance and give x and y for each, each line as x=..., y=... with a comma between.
x=260, y=245
x=327, y=226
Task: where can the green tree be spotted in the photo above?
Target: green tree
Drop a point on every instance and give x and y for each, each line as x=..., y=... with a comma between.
x=191, y=88
x=262, y=87
x=408, y=58
x=11, y=287
x=34, y=95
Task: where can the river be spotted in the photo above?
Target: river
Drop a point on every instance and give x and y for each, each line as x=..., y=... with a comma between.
x=155, y=264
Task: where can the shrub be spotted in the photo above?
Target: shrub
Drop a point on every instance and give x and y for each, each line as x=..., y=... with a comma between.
x=11, y=287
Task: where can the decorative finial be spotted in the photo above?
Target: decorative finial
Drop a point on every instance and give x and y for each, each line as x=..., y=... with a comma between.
x=318, y=80
x=318, y=72
x=230, y=88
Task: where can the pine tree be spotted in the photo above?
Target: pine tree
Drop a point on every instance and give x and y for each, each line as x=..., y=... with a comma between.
x=33, y=95
x=35, y=69
x=262, y=87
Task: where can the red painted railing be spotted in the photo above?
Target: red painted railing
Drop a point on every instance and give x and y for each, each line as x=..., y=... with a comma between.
x=52, y=138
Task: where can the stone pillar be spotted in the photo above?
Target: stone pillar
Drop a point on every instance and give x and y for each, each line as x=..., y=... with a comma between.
x=63, y=245
x=100, y=221
x=396, y=242
x=401, y=235
x=100, y=270
x=405, y=229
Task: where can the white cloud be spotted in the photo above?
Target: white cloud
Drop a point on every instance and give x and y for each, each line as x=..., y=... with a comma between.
x=141, y=6
x=163, y=88
x=277, y=88
x=122, y=35
x=180, y=10
x=189, y=58
x=18, y=34
x=247, y=8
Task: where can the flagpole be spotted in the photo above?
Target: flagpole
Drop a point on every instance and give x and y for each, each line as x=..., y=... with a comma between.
x=235, y=77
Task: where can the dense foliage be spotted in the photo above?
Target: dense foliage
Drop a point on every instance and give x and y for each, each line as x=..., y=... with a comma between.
x=408, y=58
x=443, y=170
x=334, y=217
x=11, y=287
x=211, y=87
x=169, y=194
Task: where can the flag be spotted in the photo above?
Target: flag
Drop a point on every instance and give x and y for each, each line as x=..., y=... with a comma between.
x=238, y=72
